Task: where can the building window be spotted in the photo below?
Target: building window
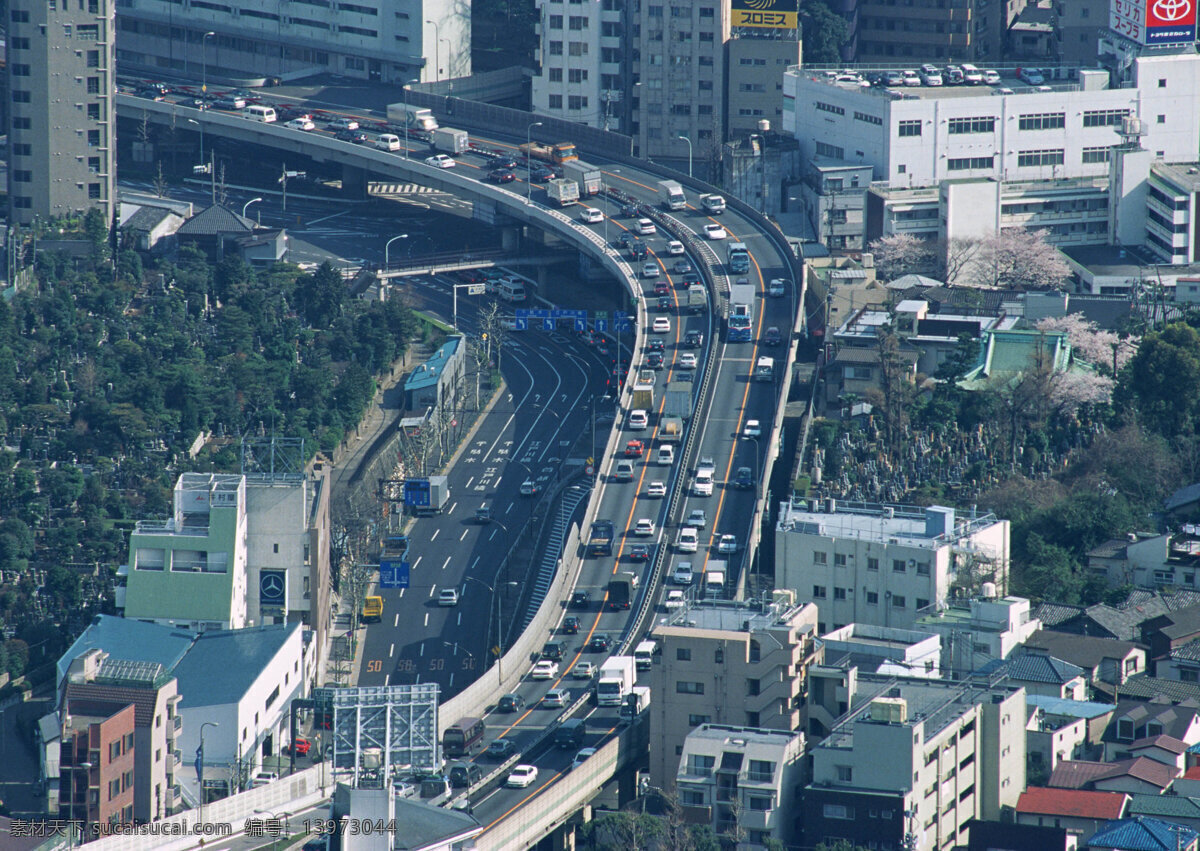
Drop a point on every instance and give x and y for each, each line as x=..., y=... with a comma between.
x=830, y=108
x=93, y=190
x=968, y=163
x=839, y=593
x=22, y=149
x=697, y=720
x=700, y=765
x=761, y=771
x=1189, y=675
x=21, y=175
x=872, y=563
x=1042, y=121
x=719, y=656
x=839, y=559
x=755, y=651
x=831, y=151
x=910, y=128
x=20, y=70
x=820, y=558
x=921, y=603
x=22, y=122
x=1104, y=117
x=1100, y=154
x=577, y=23
x=1125, y=730
x=556, y=48
x=845, y=774
x=577, y=48
x=899, y=601
x=556, y=22
x=759, y=803
x=898, y=565
x=751, y=688
x=869, y=119
x=555, y=102
x=556, y=75
x=1162, y=119
x=683, y=654
x=93, y=85
x=1051, y=157
x=838, y=811
x=818, y=592
x=577, y=75
x=922, y=568
x=22, y=202
x=872, y=598
x=93, y=111
x=684, y=687
x=577, y=102
x=20, y=96
x=93, y=58
x=93, y=138
x=978, y=124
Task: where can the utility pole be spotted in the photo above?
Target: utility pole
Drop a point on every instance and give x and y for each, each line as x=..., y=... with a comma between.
x=283, y=183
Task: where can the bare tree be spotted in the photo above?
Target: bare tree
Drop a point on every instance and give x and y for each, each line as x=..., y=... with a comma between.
x=160, y=182
x=955, y=257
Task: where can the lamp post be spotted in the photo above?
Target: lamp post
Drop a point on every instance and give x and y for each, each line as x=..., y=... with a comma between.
x=286, y=829
x=689, y=141
x=247, y=205
x=437, y=50
x=200, y=766
x=405, y=88
x=86, y=767
x=201, y=126
x=529, y=161
x=204, y=62
x=386, y=262
x=499, y=636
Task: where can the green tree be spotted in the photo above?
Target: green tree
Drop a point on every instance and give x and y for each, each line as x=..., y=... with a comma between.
x=1163, y=379
x=824, y=33
x=1049, y=572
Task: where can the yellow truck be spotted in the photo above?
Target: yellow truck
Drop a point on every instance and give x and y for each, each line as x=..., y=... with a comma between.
x=372, y=609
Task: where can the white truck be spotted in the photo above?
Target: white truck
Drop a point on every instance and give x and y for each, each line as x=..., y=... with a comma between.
x=764, y=369
x=712, y=204
x=412, y=117
x=616, y=680
x=636, y=702
x=562, y=190
x=587, y=176
x=714, y=580
x=697, y=298
x=643, y=654
x=680, y=400
x=671, y=195
x=447, y=140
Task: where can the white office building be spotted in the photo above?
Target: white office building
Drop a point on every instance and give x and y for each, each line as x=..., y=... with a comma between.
x=921, y=136
x=882, y=565
x=367, y=39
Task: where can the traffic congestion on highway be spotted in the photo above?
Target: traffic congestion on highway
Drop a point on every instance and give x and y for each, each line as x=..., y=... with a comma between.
x=678, y=497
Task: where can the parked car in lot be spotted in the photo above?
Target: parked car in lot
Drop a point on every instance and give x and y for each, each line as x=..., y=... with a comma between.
x=1030, y=76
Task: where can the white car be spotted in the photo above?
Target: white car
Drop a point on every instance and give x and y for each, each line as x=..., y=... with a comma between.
x=521, y=777
x=675, y=600
x=675, y=247
x=666, y=454
x=697, y=519
x=682, y=575
x=657, y=489
x=591, y=215
x=556, y=697
x=301, y=123
x=440, y=161
x=931, y=75
x=972, y=76
x=753, y=428
x=715, y=231
x=1030, y=76
x=638, y=419
x=546, y=669
x=583, y=671
x=644, y=527
x=727, y=544
x=662, y=325
x=343, y=124
x=688, y=541
x=687, y=360
x=991, y=78
x=645, y=227
x=651, y=270
x=777, y=288
x=911, y=78
x=447, y=597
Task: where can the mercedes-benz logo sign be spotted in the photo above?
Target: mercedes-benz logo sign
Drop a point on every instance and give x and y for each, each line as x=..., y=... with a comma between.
x=271, y=585
x=1172, y=10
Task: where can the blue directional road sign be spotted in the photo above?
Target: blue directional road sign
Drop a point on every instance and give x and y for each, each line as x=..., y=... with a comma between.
x=601, y=326
x=580, y=324
x=622, y=325
x=416, y=493
x=548, y=324
x=520, y=324
x=393, y=573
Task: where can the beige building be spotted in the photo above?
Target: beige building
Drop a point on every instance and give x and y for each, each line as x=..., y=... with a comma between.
x=733, y=663
x=919, y=757
x=61, y=115
x=742, y=778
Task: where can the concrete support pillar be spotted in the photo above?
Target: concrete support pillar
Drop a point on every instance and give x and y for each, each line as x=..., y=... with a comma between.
x=562, y=839
x=354, y=182
x=510, y=238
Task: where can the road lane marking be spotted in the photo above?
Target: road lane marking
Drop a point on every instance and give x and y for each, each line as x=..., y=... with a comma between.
x=453, y=506
x=464, y=534
x=391, y=650
x=433, y=537
x=447, y=562
x=418, y=561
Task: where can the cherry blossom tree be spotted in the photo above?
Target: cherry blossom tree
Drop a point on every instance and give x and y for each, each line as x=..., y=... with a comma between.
x=1019, y=259
x=899, y=254
x=1105, y=350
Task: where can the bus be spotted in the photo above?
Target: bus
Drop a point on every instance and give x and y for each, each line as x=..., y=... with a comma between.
x=739, y=258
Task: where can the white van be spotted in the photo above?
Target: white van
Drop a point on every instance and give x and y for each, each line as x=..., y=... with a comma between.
x=643, y=655
x=258, y=112
x=388, y=142
x=512, y=291
x=666, y=454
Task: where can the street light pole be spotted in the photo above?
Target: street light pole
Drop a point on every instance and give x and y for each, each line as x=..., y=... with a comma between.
x=437, y=50
x=86, y=767
x=201, y=126
x=499, y=636
x=529, y=161
x=386, y=261
x=204, y=62
x=200, y=766
x=247, y=205
x=689, y=141
x=406, y=120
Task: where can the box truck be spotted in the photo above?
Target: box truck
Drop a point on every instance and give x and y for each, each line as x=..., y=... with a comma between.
x=697, y=298
x=600, y=541
x=679, y=401
x=616, y=680
x=562, y=190
x=636, y=702
x=587, y=177
x=447, y=140
x=671, y=195
x=412, y=117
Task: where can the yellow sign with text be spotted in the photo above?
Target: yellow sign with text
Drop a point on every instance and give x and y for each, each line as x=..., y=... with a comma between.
x=772, y=14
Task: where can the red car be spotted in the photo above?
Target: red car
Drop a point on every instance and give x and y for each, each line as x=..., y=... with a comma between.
x=300, y=745
x=662, y=288
x=634, y=449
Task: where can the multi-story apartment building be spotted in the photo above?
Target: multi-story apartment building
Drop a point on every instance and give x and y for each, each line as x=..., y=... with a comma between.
x=883, y=565
x=1021, y=132
x=237, y=550
x=61, y=113
x=1077, y=31
x=914, y=761
x=97, y=762
x=367, y=39
x=93, y=681
x=741, y=664
x=927, y=30
x=663, y=72
x=744, y=780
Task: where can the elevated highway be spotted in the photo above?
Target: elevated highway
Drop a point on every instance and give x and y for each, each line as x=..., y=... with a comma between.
x=727, y=399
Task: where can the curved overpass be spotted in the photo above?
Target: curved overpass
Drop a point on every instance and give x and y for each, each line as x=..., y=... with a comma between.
x=519, y=817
